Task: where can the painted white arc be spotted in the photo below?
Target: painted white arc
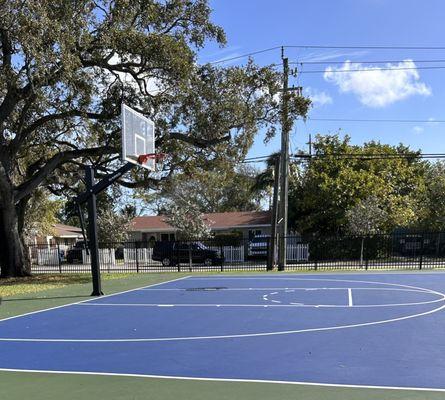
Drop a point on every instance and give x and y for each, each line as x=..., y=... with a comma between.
x=247, y=335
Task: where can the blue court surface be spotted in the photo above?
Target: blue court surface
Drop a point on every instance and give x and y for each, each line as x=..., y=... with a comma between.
x=379, y=330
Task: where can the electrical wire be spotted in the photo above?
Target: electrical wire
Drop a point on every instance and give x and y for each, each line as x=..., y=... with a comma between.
x=365, y=62
x=365, y=47
x=252, y=53
x=417, y=121
x=245, y=55
x=372, y=69
x=353, y=156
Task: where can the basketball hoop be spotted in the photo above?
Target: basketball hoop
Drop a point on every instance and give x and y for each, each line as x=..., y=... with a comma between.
x=158, y=159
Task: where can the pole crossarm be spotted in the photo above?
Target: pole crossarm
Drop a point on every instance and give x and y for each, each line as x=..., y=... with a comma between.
x=104, y=183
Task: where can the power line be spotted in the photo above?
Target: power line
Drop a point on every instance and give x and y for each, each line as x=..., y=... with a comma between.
x=353, y=156
x=366, y=47
x=372, y=156
x=417, y=121
x=371, y=70
x=245, y=55
x=252, y=53
x=365, y=62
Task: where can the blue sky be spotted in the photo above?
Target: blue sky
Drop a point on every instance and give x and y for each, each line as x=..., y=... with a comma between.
x=253, y=25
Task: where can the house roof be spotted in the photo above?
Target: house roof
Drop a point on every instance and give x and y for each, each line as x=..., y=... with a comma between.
x=61, y=230
x=227, y=220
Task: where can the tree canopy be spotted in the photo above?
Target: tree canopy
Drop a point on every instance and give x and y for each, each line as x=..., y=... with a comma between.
x=223, y=188
x=65, y=69
x=332, y=183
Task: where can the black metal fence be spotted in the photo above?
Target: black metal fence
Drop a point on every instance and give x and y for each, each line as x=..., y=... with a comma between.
x=392, y=251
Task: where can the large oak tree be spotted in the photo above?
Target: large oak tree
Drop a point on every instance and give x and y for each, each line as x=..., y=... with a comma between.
x=67, y=66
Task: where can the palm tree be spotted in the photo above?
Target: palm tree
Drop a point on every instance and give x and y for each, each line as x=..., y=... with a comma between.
x=264, y=181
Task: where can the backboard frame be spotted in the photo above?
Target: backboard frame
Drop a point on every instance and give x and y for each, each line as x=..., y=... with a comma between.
x=144, y=141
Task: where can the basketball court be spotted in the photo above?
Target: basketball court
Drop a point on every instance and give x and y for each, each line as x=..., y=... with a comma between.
x=382, y=330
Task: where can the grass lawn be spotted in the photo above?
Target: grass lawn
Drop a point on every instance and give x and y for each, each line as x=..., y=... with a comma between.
x=44, y=291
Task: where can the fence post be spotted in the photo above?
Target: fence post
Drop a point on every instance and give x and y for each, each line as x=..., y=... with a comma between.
x=109, y=259
x=58, y=258
x=315, y=265
x=137, y=256
x=30, y=255
x=221, y=253
x=178, y=260
x=420, y=261
x=190, y=256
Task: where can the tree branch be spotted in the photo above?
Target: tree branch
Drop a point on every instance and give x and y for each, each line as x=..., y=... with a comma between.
x=21, y=136
x=53, y=163
x=198, y=142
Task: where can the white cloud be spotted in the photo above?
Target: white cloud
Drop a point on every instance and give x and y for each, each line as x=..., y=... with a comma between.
x=378, y=86
x=318, y=98
x=418, y=129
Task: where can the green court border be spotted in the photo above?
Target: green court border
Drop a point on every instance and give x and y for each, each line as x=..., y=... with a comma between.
x=48, y=386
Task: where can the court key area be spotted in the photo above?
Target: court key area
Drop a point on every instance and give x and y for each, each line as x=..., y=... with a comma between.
x=365, y=330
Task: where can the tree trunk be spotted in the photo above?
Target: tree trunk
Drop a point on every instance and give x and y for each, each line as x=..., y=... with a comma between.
x=13, y=259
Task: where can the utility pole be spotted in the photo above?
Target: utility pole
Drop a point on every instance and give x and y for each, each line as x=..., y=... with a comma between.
x=273, y=235
x=286, y=125
x=284, y=181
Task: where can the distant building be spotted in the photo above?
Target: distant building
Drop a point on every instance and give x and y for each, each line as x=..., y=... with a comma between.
x=62, y=234
x=249, y=223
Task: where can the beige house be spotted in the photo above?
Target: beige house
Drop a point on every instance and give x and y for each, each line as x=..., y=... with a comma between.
x=249, y=223
x=62, y=235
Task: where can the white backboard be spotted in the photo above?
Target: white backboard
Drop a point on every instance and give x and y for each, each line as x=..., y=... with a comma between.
x=138, y=137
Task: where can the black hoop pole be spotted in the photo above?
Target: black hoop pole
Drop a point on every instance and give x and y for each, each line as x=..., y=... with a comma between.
x=92, y=228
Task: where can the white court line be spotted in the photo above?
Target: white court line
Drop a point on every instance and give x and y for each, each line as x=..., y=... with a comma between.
x=86, y=301
x=280, y=289
x=341, y=280
x=262, y=334
x=243, y=335
x=191, y=378
x=350, y=297
x=441, y=299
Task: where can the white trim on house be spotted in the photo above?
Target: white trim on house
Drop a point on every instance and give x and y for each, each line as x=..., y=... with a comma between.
x=172, y=230
x=70, y=236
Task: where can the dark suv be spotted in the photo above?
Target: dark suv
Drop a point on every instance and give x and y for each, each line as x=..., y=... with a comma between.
x=74, y=255
x=174, y=253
